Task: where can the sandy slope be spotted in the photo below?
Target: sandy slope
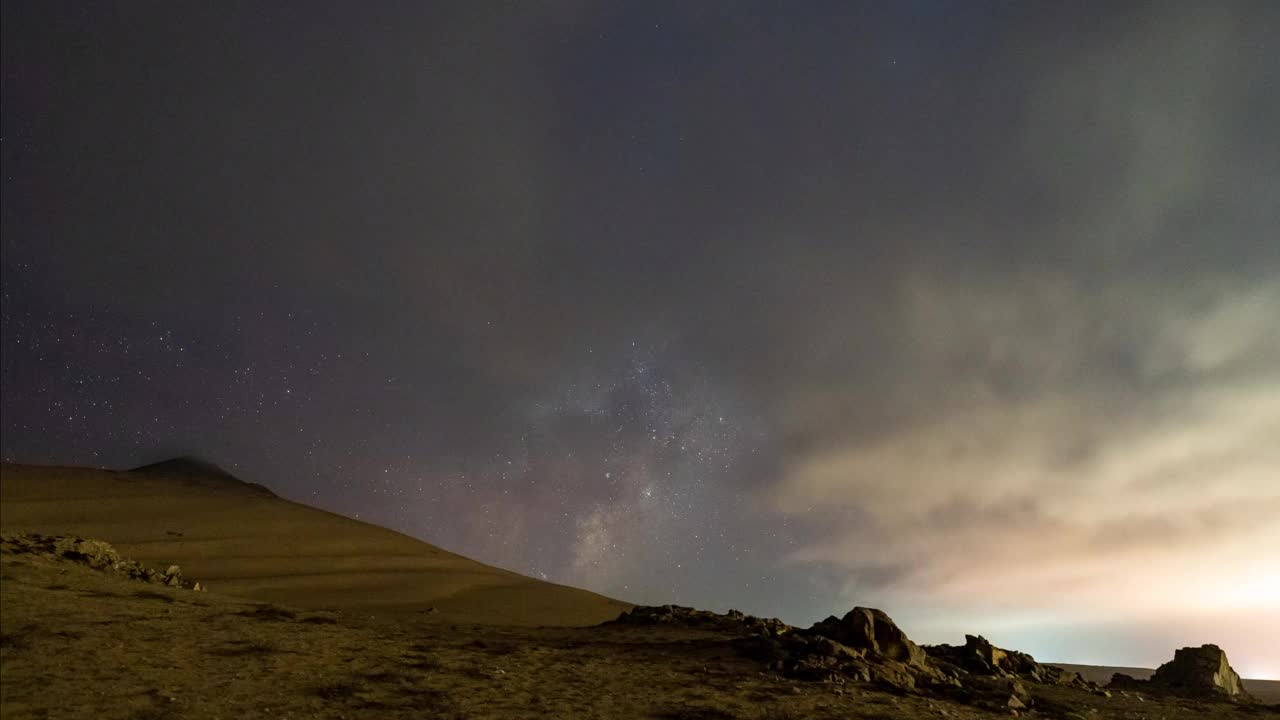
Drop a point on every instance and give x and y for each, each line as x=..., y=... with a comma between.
x=241, y=540
x=1265, y=690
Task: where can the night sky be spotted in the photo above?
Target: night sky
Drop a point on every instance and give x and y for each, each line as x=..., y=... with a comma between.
x=969, y=311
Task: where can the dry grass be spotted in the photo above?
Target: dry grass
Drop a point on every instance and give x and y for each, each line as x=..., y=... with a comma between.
x=75, y=643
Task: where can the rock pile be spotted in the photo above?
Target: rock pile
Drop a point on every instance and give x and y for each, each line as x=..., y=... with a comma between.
x=733, y=621
x=94, y=554
x=979, y=657
x=1202, y=672
x=866, y=646
x=873, y=631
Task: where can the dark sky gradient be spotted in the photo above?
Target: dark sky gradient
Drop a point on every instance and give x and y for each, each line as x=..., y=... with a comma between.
x=967, y=310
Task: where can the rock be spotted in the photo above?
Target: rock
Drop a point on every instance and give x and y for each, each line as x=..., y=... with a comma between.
x=94, y=553
x=863, y=646
x=1057, y=676
x=893, y=674
x=733, y=621
x=826, y=647
x=1200, y=670
x=772, y=627
x=1018, y=690
x=197, y=587
x=172, y=576
x=1120, y=680
x=873, y=631
x=979, y=656
x=857, y=671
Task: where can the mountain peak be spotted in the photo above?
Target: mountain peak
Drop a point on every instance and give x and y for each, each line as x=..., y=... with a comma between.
x=198, y=471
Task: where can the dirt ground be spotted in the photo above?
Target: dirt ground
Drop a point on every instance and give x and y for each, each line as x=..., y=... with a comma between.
x=77, y=643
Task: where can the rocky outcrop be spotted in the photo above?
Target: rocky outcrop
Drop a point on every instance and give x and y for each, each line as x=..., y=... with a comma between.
x=678, y=615
x=1200, y=670
x=863, y=646
x=1121, y=681
x=875, y=642
x=867, y=646
x=979, y=657
x=873, y=631
x=94, y=554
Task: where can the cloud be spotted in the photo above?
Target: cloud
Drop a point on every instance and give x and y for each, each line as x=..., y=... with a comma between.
x=1091, y=419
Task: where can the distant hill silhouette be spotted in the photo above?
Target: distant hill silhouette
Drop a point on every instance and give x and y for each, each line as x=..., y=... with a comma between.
x=202, y=473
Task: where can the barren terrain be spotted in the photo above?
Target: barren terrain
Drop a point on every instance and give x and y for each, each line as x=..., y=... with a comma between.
x=241, y=540
x=76, y=642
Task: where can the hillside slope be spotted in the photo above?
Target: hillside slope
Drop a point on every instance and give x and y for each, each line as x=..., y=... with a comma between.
x=242, y=540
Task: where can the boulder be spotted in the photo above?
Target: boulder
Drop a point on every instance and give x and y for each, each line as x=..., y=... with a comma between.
x=1122, y=681
x=826, y=647
x=893, y=674
x=172, y=576
x=873, y=631
x=863, y=646
x=1200, y=670
x=1054, y=675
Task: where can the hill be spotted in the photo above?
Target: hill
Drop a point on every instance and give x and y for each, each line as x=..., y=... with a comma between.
x=242, y=540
